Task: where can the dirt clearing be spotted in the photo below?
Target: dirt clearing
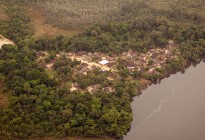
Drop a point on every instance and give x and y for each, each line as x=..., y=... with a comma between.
x=38, y=20
x=3, y=15
x=3, y=98
x=4, y=40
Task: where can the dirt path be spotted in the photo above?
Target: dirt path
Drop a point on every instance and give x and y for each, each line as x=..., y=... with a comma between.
x=4, y=40
x=91, y=64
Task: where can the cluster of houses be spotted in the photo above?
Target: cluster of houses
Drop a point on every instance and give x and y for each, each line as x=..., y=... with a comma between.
x=93, y=88
x=151, y=60
x=133, y=60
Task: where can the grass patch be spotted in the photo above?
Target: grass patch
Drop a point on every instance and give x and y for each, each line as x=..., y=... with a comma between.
x=44, y=29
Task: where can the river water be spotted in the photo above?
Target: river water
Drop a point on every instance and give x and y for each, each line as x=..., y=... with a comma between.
x=171, y=110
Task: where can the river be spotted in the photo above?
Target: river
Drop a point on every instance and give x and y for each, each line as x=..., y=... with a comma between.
x=172, y=109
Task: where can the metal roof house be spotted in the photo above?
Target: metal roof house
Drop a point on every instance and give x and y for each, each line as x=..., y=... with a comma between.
x=103, y=62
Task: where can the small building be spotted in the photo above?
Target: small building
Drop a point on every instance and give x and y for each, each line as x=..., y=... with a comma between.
x=110, y=58
x=155, y=55
x=103, y=62
x=76, y=84
x=40, y=54
x=83, y=65
x=124, y=54
x=93, y=89
x=111, y=64
x=53, y=61
x=168, y=56
x=130, y=64
x=170, y=42
x=81, y=53
x=90, y=54
x=113, y=75
x=107, y=89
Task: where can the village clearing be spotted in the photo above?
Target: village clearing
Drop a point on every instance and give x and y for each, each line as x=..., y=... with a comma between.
x=149, y=62
x=91, y=64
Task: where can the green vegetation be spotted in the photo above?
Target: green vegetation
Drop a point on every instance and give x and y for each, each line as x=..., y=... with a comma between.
x=41, y=104
x=72, y=14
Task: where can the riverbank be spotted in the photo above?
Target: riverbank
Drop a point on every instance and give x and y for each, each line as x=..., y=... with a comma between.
x=174, y=106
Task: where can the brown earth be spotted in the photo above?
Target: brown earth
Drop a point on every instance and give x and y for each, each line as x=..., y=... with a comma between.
x=42, y=28
x=3, y=98
x=3, y=15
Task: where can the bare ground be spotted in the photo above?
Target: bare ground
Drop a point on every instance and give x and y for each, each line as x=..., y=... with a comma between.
x=38, y=19
x=4, y=40
x=3, y=98
x=90, y=64
x=3, y=15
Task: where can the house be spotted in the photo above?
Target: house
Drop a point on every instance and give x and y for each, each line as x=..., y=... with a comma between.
x=84, y=71
x=41, y=54
x=94, y=67
x=76, y=85
x=152, y=50
x=83, y=65
x=53, y=61
x=58, y=55
x=93, y=88
x=103, y=62
x=155, y=55
x=110, y=58
x=81, y=53
x=124, y=54
x=111, y=64
x=130, y=64
x=107, y=89
x=68, y=54
x=170, y=42
x=90, y=54
x=113, y=75
x=168, y=56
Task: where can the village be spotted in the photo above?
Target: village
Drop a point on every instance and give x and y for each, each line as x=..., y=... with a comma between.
x=150, y=61
x=133, y=61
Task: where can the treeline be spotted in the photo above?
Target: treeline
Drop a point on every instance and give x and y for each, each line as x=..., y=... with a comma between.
x=140, y=35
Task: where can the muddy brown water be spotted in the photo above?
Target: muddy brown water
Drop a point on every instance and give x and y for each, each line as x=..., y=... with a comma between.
x=171, y=110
